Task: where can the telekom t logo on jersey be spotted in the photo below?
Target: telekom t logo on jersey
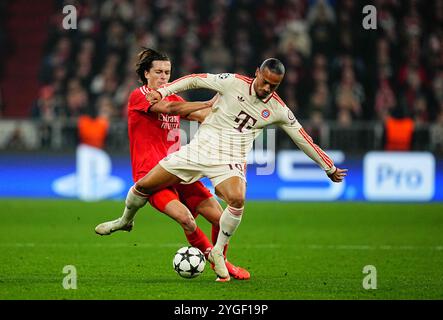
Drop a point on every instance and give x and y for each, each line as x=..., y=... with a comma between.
x=244, y=121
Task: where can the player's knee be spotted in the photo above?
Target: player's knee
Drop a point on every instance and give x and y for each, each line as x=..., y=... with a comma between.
x=187, y=222
x=220, y=195
x=236, y=200
x=141, y=188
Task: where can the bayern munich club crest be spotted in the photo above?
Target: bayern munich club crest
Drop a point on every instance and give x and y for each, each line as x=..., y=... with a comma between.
x=265, y=113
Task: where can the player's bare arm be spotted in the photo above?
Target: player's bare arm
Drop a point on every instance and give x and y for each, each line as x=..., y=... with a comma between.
x=180, y=108
x=201, y=115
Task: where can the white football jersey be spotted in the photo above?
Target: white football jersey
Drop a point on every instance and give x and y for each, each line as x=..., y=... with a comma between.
x=238, y=116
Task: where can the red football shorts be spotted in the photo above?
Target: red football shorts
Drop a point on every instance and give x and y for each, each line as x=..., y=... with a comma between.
x=191, y=195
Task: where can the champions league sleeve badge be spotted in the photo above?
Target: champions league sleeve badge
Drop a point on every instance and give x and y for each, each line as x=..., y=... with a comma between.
x=291, y=116
x=224, y=75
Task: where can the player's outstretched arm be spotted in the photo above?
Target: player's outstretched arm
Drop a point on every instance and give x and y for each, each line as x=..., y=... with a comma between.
x=179, y=108
x=217, y=82
x=201, y=115
x=307, y=145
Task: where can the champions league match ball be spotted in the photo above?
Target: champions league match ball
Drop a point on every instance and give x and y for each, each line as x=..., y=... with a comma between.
x=189, y=262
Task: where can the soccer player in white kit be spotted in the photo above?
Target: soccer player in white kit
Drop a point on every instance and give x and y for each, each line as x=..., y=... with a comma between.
x=220, y=147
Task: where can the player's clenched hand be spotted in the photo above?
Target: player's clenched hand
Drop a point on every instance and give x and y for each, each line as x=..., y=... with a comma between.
x=153, y=96
x=338, y=175
x=213, y=100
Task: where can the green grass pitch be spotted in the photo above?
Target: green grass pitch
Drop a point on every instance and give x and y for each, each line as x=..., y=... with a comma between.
x=293, y=251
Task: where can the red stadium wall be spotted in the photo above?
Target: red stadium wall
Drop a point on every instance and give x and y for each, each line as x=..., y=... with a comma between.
x=26, y=28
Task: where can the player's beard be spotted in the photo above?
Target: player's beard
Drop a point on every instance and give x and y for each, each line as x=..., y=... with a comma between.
x=262, y=95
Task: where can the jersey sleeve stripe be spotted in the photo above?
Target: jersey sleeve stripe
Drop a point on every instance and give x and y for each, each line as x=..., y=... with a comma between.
x=244, y=78
x=274, y=95
x=315, y=147
x=320, y=151
x=322, y=155
x=270, y=97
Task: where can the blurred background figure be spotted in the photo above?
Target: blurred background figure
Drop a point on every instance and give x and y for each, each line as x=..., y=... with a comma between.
x=46, y=111
x=93, y=127
x=93, y=164
x=399, y=131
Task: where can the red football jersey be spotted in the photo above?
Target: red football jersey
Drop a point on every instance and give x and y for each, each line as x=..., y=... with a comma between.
x=152, y=136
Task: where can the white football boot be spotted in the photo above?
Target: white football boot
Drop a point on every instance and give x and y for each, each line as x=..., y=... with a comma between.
x=106, y=228
x=218, y=259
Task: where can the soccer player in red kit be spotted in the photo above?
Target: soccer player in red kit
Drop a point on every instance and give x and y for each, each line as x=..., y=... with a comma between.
x=153, y=134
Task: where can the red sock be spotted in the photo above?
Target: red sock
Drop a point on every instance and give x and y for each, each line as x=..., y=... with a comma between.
x=199, y=240
x=214, y=235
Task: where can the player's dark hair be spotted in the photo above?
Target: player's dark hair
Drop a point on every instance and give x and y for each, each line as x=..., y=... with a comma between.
x=274, y=65
x=145, y=59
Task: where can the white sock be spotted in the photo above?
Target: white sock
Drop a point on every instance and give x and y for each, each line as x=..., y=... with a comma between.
x=134, y=201
x=229, y=222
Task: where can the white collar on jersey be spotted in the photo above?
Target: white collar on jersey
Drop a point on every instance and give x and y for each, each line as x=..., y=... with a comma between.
x=254, y=94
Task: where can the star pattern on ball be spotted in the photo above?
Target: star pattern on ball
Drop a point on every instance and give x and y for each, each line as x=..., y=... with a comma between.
x=189, y=262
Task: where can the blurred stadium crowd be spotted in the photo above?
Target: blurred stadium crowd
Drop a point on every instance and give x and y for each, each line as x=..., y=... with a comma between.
x=336, y=70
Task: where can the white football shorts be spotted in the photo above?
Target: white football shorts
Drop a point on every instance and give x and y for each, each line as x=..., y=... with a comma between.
x=182, y=166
